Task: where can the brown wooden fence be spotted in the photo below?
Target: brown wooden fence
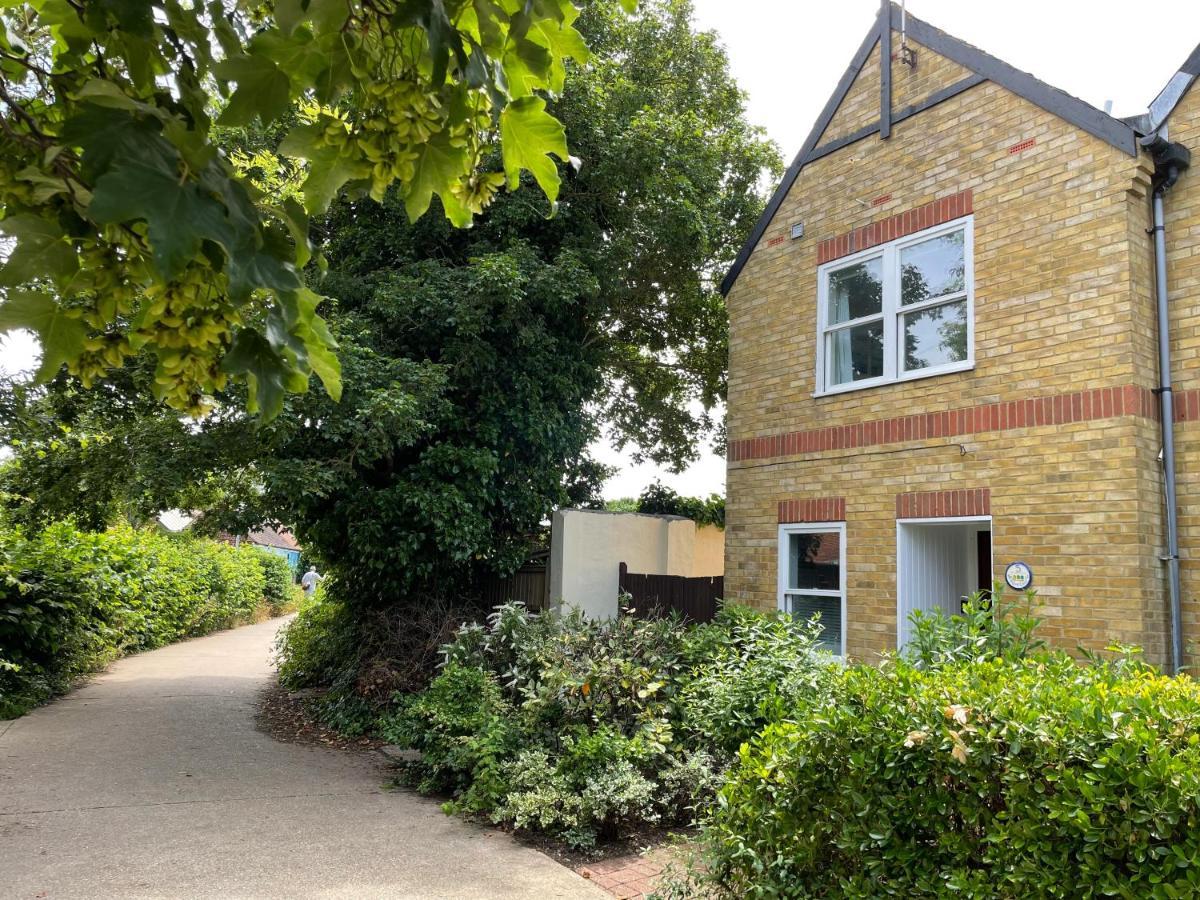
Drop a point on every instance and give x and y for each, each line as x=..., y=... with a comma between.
x=656, y=595
x=529, y=584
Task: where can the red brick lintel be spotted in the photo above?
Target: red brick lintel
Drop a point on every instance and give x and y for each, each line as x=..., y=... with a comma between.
x=1058, y=409
x=820, y=509
x=897, y=226
x=944, y=504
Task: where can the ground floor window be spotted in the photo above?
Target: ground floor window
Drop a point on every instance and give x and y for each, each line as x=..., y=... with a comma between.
x=812, y=578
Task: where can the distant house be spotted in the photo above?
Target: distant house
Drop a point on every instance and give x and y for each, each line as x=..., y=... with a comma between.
x=274, y=540
x=952, y=343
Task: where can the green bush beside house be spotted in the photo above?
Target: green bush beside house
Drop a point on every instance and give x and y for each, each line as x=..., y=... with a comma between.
x=1034, y=777
x=979, y=765
x=585, y=729
x=72, y=601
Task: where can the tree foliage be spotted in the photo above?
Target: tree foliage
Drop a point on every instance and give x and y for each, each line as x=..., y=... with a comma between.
x=132, y=229
x=461, y=424
x=112, y=453
x=658, y=499
x=478, y=365
x=669, y=186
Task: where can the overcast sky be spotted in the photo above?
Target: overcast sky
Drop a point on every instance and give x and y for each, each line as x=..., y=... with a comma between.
x=788, y=55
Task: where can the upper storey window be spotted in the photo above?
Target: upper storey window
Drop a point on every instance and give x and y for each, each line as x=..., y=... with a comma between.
x=898, y=311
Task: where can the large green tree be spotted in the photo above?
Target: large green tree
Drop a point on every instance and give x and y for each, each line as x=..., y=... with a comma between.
x=134, y=228
x=479, y=364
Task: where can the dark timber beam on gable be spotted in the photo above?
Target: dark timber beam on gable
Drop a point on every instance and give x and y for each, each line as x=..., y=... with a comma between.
x=1080, y=114
x=907, y=112
x=789, y=177
x=885, y=72
x=985, y=67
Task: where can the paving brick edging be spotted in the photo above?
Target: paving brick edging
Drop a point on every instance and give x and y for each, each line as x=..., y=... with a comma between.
x=626, y=877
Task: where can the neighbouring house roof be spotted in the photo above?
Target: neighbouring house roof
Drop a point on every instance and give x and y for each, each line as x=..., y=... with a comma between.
x=1121, y=134
x=273, y=537
x=266, y=536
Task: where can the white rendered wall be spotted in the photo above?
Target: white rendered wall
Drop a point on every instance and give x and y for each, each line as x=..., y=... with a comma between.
x=588, y=546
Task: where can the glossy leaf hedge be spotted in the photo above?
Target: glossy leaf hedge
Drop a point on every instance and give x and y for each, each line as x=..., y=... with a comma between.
x=1028, y=778
x=132, y=221
x=73, y=601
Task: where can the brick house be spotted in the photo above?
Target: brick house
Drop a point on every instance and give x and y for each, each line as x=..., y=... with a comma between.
x=944, y=355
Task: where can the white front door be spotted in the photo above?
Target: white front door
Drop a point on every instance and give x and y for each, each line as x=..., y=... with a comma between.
x=937, y=566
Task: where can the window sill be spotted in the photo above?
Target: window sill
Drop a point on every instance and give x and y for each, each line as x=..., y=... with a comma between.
x=867, y=385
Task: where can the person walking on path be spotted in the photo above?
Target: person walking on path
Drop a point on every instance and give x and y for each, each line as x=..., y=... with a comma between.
x=310, y=581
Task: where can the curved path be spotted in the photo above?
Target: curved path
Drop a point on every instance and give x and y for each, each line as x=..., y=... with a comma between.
x=153, y=781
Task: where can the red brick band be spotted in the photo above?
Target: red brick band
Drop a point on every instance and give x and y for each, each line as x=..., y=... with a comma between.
x=897, y=226
x=1059, y=409
x=819, y=509
x=944, y=504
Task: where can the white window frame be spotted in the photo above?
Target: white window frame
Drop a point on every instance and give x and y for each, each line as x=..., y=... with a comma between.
x=783, y=551
x=893, y=369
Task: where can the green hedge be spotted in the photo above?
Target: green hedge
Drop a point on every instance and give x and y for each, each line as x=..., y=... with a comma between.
x=73, y=601
x=994, y=778
x=280, y=592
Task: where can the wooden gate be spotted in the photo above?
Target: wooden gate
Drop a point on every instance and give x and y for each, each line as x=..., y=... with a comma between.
x=657, y=595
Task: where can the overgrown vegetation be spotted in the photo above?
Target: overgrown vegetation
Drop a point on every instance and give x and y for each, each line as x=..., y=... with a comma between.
x=579, y=729
x=658, y=499
x=1035, y=777
x=72, y=601
x=979, y=764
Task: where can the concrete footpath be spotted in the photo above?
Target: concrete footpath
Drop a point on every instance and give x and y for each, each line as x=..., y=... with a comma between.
x=153, y=781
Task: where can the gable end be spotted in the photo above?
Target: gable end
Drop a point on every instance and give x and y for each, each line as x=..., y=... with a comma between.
x=802, y=158
x=984, y=67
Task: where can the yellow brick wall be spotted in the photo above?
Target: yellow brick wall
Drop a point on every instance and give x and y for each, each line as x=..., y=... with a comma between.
x=860, y=106
x=1062, y=303
x=931, y=74
x=1064, y=500
x=1050, y=255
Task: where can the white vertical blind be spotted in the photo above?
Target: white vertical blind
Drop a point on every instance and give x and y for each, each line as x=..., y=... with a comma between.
x=935, y=567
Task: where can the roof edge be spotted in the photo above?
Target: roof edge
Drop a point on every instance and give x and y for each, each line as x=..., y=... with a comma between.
x=1053, y=100
x=789, y=176
x=1119, y=134
x=1173, y=91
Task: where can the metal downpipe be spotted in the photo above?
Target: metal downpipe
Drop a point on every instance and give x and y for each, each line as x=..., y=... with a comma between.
x=1167, y=404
